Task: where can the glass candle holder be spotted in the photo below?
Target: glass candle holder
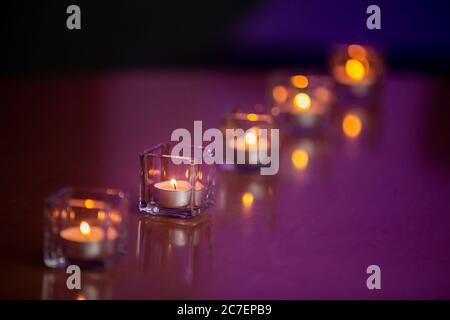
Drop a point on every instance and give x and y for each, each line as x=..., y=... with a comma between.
x=356, y=67
x=173, y=185
x=85, y=227
x=250, y=139
x=301, y=102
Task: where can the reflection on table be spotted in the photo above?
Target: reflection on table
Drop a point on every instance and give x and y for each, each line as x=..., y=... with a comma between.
x=177, y=250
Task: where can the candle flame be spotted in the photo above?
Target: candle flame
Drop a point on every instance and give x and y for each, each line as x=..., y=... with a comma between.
x=250, y=138
x=85, y=229
x=355, y=69
x=173, y=183
x=88, y=203
x=101, y=215
x=280, y=94
x=252, y=117
x=302, y=101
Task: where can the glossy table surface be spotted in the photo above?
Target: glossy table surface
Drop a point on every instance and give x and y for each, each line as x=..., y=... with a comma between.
x=310, y=232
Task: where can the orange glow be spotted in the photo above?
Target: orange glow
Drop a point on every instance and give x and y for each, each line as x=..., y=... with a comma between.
x=88, y=203
x=355, y=69
x=280, y=94
x=275, y=111
x=173, y=183
x=247, y=199
x=356, y=52
x=302, y=101
x=72, y=215
x=252, y=117
x=85, y=229
x=323, y=94
x=300, y=159
x=101, y=215
x=299, y=81
x=352, y=125
x=152, y=172
x=115, y=217
x=250, y=138
x=81, y=297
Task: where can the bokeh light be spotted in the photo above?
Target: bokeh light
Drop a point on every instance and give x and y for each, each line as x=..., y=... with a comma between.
x=300, y=159
x=352, y=125
x=280, y=94
x=247, y=199
x=302, y=101
x=299, y=81
x=355, y=69
x=357, y=52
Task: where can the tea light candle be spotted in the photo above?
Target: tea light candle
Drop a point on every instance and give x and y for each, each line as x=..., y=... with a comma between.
x=88, y=242
x=172, y=193
x=357, y=66
x=247, y=142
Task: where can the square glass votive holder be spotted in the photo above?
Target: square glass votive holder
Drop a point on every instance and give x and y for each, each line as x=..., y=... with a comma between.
x=252, y=143
x=85, y=227
x=356, y=68
x=301, y=102
x=177, y=186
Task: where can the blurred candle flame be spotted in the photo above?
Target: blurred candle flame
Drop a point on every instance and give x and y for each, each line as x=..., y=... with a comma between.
x=88, y=203
x=280, y=94
x=85, y=229
x=101, y=215
x=300, y=158
x=247, y=199
x=299, y=81
x=355, y=69
x=250, y=138
x=252, y=117
x=352, y=125
x=302, y=101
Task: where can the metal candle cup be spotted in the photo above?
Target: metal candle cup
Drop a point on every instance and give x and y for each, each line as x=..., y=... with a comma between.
x=91, y=246
x=172, y=193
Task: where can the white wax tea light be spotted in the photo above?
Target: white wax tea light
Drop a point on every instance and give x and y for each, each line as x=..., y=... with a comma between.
x=88, y=242
x=177, y=193
x=173, y=193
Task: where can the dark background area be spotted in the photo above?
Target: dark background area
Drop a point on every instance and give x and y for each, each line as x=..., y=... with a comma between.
x=267, y=33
